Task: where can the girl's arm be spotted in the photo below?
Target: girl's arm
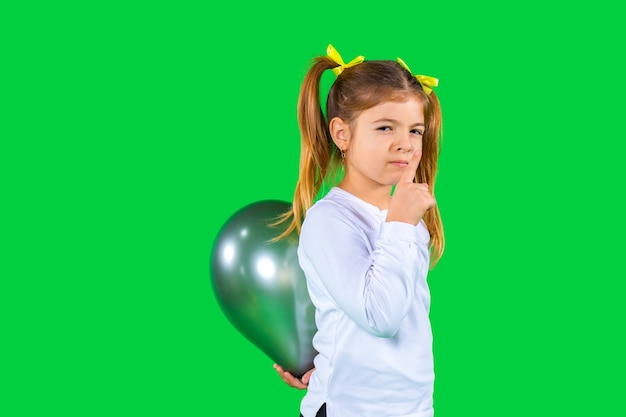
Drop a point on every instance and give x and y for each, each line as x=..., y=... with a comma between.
x=373, y=285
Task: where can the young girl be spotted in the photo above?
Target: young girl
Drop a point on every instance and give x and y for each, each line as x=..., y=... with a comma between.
x=367, y=245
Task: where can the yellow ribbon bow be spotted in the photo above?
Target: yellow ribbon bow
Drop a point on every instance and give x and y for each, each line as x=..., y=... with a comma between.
x=426, y=82
x=334, y=55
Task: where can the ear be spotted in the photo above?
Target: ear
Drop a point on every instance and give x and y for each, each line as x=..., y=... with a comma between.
x=340, y=132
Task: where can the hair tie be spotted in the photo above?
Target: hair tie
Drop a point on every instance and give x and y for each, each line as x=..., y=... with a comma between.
x=425, y=81
x=334, y=55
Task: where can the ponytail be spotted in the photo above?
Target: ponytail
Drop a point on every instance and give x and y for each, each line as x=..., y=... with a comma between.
x=427, y=173
x=317, y=151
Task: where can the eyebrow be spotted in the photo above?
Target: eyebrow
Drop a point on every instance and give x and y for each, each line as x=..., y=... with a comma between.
x=395, y=121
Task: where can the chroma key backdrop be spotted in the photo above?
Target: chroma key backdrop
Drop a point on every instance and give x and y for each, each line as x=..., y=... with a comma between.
x=131, y=132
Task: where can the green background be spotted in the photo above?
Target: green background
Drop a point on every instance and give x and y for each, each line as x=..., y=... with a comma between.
x=130, y=133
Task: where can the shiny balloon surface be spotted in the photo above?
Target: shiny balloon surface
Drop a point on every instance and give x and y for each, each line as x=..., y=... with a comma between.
x=260, y=287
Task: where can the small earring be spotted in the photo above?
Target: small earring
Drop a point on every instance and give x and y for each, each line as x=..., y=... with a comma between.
x=343, y=156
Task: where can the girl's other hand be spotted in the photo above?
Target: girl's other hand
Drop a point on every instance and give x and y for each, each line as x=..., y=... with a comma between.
x=291, y=380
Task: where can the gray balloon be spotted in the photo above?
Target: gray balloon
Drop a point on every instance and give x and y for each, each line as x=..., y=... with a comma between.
x=260, y=287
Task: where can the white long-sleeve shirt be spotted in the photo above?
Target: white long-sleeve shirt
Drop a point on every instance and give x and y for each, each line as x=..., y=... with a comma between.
x=367, y=280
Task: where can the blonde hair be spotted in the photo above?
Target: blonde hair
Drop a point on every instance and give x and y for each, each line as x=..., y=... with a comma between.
x=359, y=88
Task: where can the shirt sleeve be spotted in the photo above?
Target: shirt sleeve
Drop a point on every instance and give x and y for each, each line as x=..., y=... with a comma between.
x=374, y=286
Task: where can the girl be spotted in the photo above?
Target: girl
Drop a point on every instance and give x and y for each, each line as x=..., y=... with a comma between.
x=366, y=246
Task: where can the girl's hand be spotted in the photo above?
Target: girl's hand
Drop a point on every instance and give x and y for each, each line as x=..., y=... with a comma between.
x=291, y=380
x=410, y=200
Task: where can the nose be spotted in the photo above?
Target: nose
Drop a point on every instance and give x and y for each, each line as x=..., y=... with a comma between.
x=404, y=144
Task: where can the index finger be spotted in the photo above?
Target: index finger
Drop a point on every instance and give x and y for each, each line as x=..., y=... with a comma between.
x=408, y=176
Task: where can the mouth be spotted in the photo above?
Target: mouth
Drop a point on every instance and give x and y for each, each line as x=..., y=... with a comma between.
x=400, y=163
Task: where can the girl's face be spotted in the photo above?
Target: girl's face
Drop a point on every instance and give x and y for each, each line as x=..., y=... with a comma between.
x=383, y=140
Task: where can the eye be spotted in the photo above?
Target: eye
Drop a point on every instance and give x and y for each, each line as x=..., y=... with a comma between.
x=417, y=132
x=384, y=128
